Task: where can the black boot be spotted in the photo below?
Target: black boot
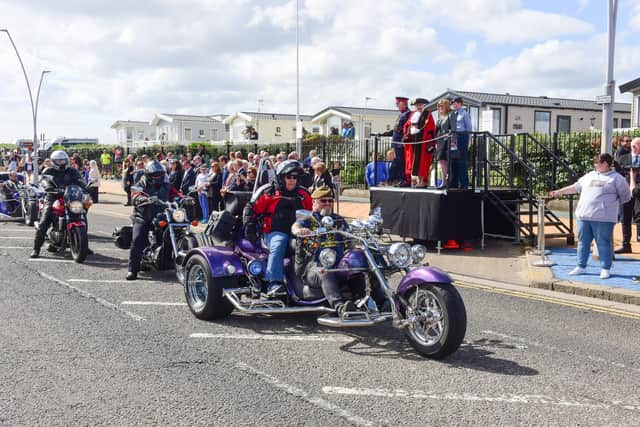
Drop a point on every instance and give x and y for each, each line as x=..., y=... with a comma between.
x=276, y=289
x=132, y=275
x=625, y=249
x=35, y=253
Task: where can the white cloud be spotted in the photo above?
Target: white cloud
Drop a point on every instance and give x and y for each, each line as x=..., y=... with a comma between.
x=582, y=5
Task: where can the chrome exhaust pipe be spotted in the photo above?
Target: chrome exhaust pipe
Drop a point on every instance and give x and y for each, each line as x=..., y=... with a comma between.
x=338, y=322
x=230, y=294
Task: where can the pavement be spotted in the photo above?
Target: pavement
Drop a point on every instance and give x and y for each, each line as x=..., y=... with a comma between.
x=81, y=346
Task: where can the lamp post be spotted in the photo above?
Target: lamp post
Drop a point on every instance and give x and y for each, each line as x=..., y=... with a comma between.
x=298, y=124
x=34, y=106
x=260, y=102
x=607, y=104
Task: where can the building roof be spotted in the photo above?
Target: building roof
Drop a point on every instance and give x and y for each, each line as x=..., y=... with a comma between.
x=119, y=123
x=479, y=98
x=183, y=117
x=629, y=86
x=250, y=116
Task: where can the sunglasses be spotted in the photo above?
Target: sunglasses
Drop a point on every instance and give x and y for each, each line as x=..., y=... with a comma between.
x=325, y=200
x=291, y=176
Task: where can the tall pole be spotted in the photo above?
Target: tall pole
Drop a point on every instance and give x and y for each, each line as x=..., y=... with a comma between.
x=36, y=142
x=607, y=107
x=260, y=101
x=34, y=106
x=298, y=125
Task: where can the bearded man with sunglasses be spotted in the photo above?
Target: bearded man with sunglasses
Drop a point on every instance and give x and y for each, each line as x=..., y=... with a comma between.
x=272, y=208
x=307, y=265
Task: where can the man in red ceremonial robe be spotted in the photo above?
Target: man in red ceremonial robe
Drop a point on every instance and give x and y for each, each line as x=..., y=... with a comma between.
x=418, y=155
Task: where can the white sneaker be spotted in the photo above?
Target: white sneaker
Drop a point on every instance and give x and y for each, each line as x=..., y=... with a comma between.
x=578, y=270
x=604, y=274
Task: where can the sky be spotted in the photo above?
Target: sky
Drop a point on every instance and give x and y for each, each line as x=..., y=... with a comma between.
x=127, y=60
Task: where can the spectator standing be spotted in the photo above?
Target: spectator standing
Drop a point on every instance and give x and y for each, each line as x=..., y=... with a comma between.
x=176, y=174
x=376, y=172
x=222, y=161
x=13, y=164
x=93, y=180
x=127, y=179
x=215, y=186
x=117, y=159
x=445, y=124
x=321, y=177
x=397, y=168
x=202, y=184
x=105, y=161
x=624, y=159
x=601, y=194
x=188, y=178
x=459, y=168
x=307, y=161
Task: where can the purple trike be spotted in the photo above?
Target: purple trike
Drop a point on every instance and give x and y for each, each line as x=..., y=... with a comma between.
x=226, y=273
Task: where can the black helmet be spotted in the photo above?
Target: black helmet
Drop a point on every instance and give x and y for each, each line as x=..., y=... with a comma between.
x=155, y=173
x=60, y=160
x=288, y=167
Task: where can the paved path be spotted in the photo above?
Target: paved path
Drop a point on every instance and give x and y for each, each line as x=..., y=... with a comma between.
x=82, y=346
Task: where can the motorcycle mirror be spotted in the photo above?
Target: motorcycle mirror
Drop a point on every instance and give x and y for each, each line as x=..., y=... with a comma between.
x=303, y=214
x=327, y=221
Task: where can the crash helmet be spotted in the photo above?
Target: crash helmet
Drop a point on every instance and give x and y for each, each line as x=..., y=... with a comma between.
x=288, y=167
x=155, y=173
x=59, y=159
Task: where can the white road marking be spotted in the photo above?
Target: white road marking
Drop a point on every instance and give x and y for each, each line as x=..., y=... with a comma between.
x=260, y=337
x=102, y=233
x=97, y=251
x=159, y=303
x=95, y=298
x=112, y=214
x=89, y=263
x=560, y=350
x=525, y=399
x=300, y=393
x=100, y=281
x=16, y=238
x=15, y=247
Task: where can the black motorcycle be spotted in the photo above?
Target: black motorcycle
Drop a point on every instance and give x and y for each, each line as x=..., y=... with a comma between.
x=169, y=235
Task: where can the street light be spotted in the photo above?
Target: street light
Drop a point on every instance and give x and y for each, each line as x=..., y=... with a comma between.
x=607, y=104
x=34, y=106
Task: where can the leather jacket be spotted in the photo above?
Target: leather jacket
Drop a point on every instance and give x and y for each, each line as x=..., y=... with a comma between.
x=146, y=213
x=63, y=179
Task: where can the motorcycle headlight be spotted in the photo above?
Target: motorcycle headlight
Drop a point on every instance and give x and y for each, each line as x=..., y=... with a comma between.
x=255, y=267
x=76, y=207
x=327, y=258
x=418, y=253
x=400, y=254
x=179, y=215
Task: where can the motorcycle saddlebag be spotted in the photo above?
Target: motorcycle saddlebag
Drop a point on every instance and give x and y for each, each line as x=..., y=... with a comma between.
x=123, y=236
x=221, y=226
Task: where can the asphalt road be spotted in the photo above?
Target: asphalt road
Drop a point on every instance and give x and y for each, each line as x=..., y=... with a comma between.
x=79, y=345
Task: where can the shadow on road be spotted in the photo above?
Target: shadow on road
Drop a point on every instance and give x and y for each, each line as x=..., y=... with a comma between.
x=382, y=341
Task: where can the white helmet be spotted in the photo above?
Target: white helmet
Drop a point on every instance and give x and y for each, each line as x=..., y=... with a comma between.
x=60, y=159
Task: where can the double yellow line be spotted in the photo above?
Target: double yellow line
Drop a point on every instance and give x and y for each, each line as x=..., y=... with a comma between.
x=551, y=300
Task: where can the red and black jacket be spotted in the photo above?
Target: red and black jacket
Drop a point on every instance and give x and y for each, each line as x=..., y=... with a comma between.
x=275, y=209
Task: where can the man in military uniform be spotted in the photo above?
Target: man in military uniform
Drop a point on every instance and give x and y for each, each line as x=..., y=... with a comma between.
x=396, y=169
x=63, y=176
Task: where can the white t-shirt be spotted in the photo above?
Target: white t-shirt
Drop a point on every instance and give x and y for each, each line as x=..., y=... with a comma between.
x=201, y=181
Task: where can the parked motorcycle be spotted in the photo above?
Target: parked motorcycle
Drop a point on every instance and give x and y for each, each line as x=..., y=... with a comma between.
x=21, y=201
x=170, y=234
x=69, y=226
x=425, y=304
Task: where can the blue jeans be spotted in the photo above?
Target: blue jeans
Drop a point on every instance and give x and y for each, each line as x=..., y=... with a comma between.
x=602, y=232
x=277, y=242
x=204, y=205
x=459, y=169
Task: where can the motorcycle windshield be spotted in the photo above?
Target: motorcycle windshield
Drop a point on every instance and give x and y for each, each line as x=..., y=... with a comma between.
x=72, y=193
